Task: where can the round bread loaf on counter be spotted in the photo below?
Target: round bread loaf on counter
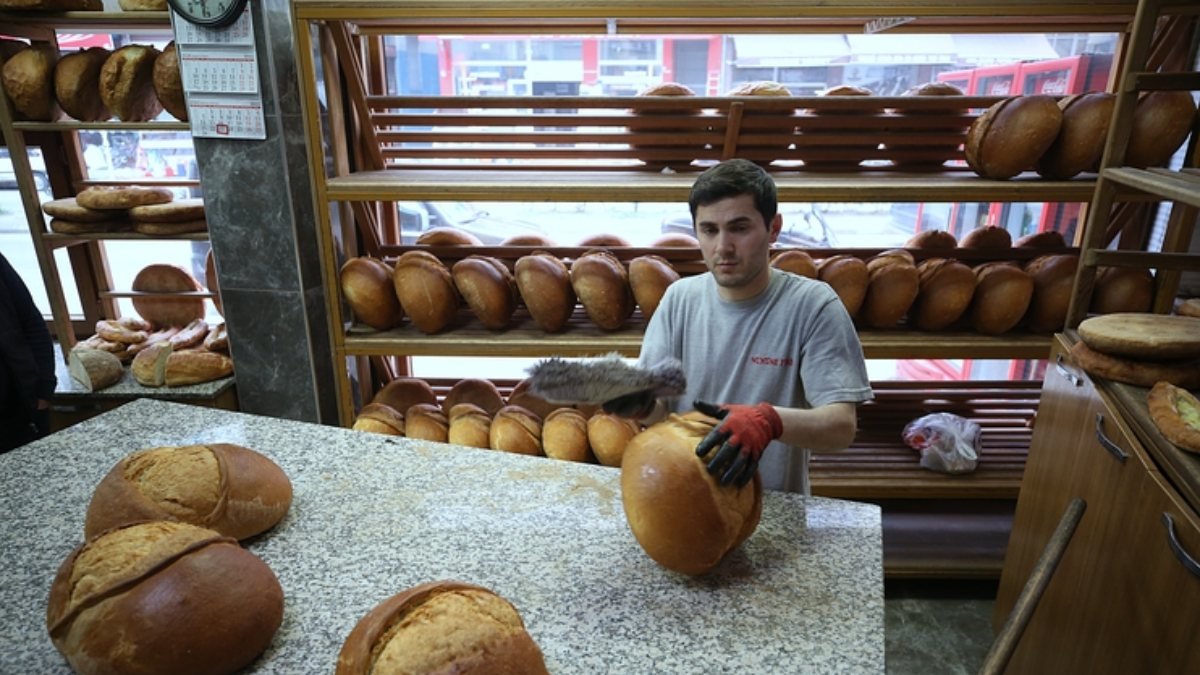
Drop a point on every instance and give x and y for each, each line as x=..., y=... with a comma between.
x=602, y=286
x=426, y=291
x=168, y=82
x=1012, y=135
x=796, y=262
x=1053, y=285
x=988, y=237
x=1138, y=372
x=162, y=312
x=545, y=287
x=516, y=429
x=894, y=284
x=1047, y=239
x=441, y=627
x=521, y=396
x=69, y=209
x=221, y=486
x=477, y=391
x=470, y=425
x=1080, y=140
x=1162, y=121
x=528, y=240
x=946, y=288
x=1176, y=413
x=163, y=597
x=427, y=422
x=447, y=236
x=488, y=289
x=121, y=198
x=676, y=240
x=77, y=84
x=649, y=276
x=852, y=133
x=1003, y=292
x=609, y=435
x=379, y=418
x=664, y=484
x=127, y=83
x=848, y=277
x=405, y=392
x=1122, y=289
x=565, y=436
x=28, y=79
x=604, y=240
x=1138, y=335
x=367, y=287
x=932, y=240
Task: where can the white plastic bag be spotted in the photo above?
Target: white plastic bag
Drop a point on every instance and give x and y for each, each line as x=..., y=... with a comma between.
x=947, y=443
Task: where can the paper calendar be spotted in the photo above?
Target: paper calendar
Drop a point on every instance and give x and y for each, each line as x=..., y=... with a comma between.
x=220, y=78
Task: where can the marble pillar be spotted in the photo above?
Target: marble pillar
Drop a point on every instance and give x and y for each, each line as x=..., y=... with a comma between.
x=260, y=208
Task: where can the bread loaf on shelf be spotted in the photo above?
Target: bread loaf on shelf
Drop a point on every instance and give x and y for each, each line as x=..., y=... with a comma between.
x=1012, y=135
x=143, y=5
x=367, y=287
x=1138, y=335
x=602, y=285
x=488, y=288
x=127, y=83
x=945, y=291
x=1080, y=140
x=163, y=597
x=427, y=422
x=403, y=392
x=121, y=197
x=174, y=211
x=28, y=79
x=988, y=237
x=1053, y=284
x=69, y=209
x=379, y=418
x=932, y=240
x=676, y=240
x=168, y=82
x=545, y=287
x=194, y=366
x=848, y=277
x=894, y=284
x=1003, y=292
x=1162, y=121
x=796, y=262
x=521, y=396
x=1047, y=239
x=447, y=236
x=77, y=84
x=426, y=291
x=474, y=390
x=516, y=429
x=170, y=311
x=851, y=134
x=649, y=276
x=1122, y=289
x=609, y=435
x=441, y=627
x=470, y=425
x=565, y=436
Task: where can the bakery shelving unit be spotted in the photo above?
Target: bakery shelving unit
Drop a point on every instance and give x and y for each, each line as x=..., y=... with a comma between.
x=65, y=167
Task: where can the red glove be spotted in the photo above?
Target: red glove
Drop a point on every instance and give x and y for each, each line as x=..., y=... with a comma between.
x=742, y=436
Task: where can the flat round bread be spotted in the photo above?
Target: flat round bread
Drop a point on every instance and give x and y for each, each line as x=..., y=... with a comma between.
x=162, y=312
x=1176, y=413
x=1139, y=373
x=1154, y=337
x=64, y=226
x=122, y=197
x=175, y=211
x=183, y=227
x=69, y=209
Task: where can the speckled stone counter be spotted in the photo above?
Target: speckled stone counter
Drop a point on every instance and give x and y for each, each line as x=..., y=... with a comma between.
x=68, y=389
x=373, y=515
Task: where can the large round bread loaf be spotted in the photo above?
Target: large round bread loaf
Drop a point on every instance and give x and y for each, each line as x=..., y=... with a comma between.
x=516, y=429
x=403, y=392
x=163, y=597
x=946, y=288
x=1162, y=121
x=427, y=422
x=1046, y=239
x=367, y=287
x=649, y=276
x=1138, y=372
x=565, y=435
x=163, y=312
x=122, y=197
x=847, y=275
x=1080, y=140
x=168, y=82
x=1143, y=336
x=447, y=236
x=796, y=262
x=545, y=287
x=664, y=484
x=988, y=237
x=1122, y=289
x=1003, y=292
x=426, y=290
x=77, y=84
x=477, y=391
x=932, y=240
x=69, y=209
x=1053, y=285
x=609, y=435
x=224, y=487
x=28, y=79
x=127, y=83
x=602, y=286
x=894, y=284
x=488, y=289
x=1012, y=135
x=441, y=627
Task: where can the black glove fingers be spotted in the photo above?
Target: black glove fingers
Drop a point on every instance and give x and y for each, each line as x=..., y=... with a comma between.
x=725, y=456
x=747, y=473
x=710, y=409
x=736, y=470
x=713, y=439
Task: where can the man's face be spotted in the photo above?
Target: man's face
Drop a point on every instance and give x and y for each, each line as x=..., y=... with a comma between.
x=736, y=245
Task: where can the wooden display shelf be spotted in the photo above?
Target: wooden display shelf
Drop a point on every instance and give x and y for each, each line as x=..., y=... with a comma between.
x=55, y=240
x=93, y=21
x=1180, y=186
x=107, y=125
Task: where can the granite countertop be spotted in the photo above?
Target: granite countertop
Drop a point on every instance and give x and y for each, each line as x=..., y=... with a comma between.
x=128, y=387
x=373, y=515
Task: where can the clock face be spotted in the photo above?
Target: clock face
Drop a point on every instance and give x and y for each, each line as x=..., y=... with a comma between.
x=210, y=13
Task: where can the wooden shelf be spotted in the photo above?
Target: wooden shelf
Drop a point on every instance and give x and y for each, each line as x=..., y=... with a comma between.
x=93, y=21
x=55, y=240
x=645, y=186
x=109, y=125
x=1177, y=186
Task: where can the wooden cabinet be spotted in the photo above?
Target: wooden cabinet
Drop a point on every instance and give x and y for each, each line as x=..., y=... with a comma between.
x=1121, y=597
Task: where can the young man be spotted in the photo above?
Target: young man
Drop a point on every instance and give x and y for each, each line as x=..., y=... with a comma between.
x=774, y=355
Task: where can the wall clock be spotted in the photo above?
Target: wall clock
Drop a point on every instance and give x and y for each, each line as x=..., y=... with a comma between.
x=209, y=13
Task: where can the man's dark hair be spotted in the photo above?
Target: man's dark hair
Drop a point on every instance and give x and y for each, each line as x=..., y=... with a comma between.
x=732, y=178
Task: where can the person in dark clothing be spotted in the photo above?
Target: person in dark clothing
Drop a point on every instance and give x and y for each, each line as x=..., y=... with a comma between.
x=26, y=364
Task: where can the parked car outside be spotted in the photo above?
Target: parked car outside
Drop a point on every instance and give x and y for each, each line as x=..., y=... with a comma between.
x=8, y=175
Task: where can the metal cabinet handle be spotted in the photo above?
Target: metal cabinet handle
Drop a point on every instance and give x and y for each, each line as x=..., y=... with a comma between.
x=1114, y=449
x=1189, y=563
x=1061, y=365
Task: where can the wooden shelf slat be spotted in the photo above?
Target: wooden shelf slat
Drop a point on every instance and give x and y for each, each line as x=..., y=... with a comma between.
x=93, y=21
x=56, y=240
x=1169, y=185
x=108, y=125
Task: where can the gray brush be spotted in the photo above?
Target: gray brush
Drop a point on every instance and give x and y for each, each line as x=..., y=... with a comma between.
x=560, y=381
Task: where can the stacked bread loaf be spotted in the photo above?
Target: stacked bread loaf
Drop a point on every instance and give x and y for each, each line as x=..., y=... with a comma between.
x=148, y=210
x=1140, y=348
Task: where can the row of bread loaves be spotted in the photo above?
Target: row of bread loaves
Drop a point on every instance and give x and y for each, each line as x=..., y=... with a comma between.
x=133, y=83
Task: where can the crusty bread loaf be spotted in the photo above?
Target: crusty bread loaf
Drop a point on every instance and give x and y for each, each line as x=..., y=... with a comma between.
x=447, y=236
x=403, y=392
x=427, y=422
x=932, y=240
x=367, y=287
x=94, y=369
x=379, y=418
x=894, y=284
x=676, y=240
x=441, y=627
x=528, y=240
x=1141, y=373
x=1012, y=135
x=796, y=262
x=168, y=82
x=161, y=312
x=521, y=396
x=426, y=291
x=565, y=436
x=1080, y=140
x=469, y=425
x=477, y=391
x=602, y=285
x=174, y=211
x=545, y=287
x=609, y=435
x=946, y=288
x=664, y=484
x=150, y=364
x=224, y=487
x=649, y=276
x=68, y=209
x=163, y=597
x=516, y=429
x=28, y=79
x=988, y=237
x=194, y=366
x=1046, y=239
x=1176, y=413
x=127, y=83
x=604, y=240
x=488, y=289
x=1053, y=285
x=1122, y=289
x=1003, y=292
x=77, y=84
x=848, y=277
x=1138, y=335
x=1162, y=121
x=121, y=197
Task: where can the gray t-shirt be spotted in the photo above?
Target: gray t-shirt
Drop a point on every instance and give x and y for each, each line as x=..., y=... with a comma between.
x=793, y=346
